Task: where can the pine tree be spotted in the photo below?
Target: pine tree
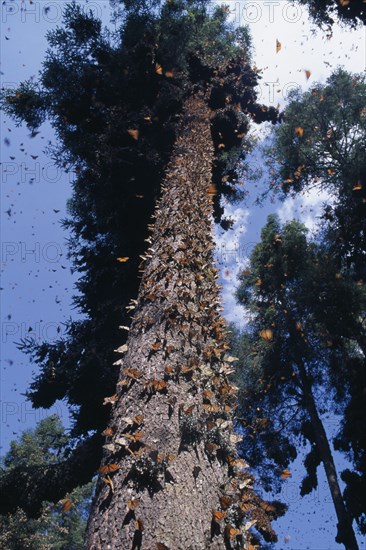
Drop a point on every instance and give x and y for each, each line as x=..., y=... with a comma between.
x=321, y=144
x=59, y=526
x=173, y=96
x=299, y=347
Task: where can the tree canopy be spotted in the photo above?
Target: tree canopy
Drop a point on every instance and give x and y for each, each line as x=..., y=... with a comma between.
x=307, y=297
x=325, y=12
x=321, y=145
x=60, y=526
x=301, y=345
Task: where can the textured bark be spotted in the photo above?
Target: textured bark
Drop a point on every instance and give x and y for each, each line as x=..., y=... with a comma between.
x=345, y=533
x=170, y=461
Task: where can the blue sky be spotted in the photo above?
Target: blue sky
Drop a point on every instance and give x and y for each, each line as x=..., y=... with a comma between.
x=36, y=279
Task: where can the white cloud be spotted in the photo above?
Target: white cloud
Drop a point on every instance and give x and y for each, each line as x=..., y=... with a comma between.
x=306, y=208
x=232, y=250
x=302, y=47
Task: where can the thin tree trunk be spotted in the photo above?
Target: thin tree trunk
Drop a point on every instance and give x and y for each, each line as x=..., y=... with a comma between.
x=345, y=533
x=169, y=459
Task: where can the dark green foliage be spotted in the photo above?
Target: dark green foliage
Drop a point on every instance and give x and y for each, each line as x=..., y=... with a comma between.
x=55, y=528
x=311, y=463
x=321, y=144
x=38, y=447
x=351, y=439
x=322, y=135
x=269, y=384
x=306, y=317
x=325, y=12
x=266, y=446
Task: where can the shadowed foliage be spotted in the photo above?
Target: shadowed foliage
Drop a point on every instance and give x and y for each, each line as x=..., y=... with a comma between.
x=299, y=359
x=326, y=12
x=60, y=526
x=321, y=145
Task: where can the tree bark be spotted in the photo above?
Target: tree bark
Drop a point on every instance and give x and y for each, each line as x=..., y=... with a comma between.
x=170, y=460
x=345, y=534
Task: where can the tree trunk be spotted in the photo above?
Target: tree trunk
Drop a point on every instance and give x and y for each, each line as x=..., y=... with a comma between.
x=170, y=459
x=345, y=533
